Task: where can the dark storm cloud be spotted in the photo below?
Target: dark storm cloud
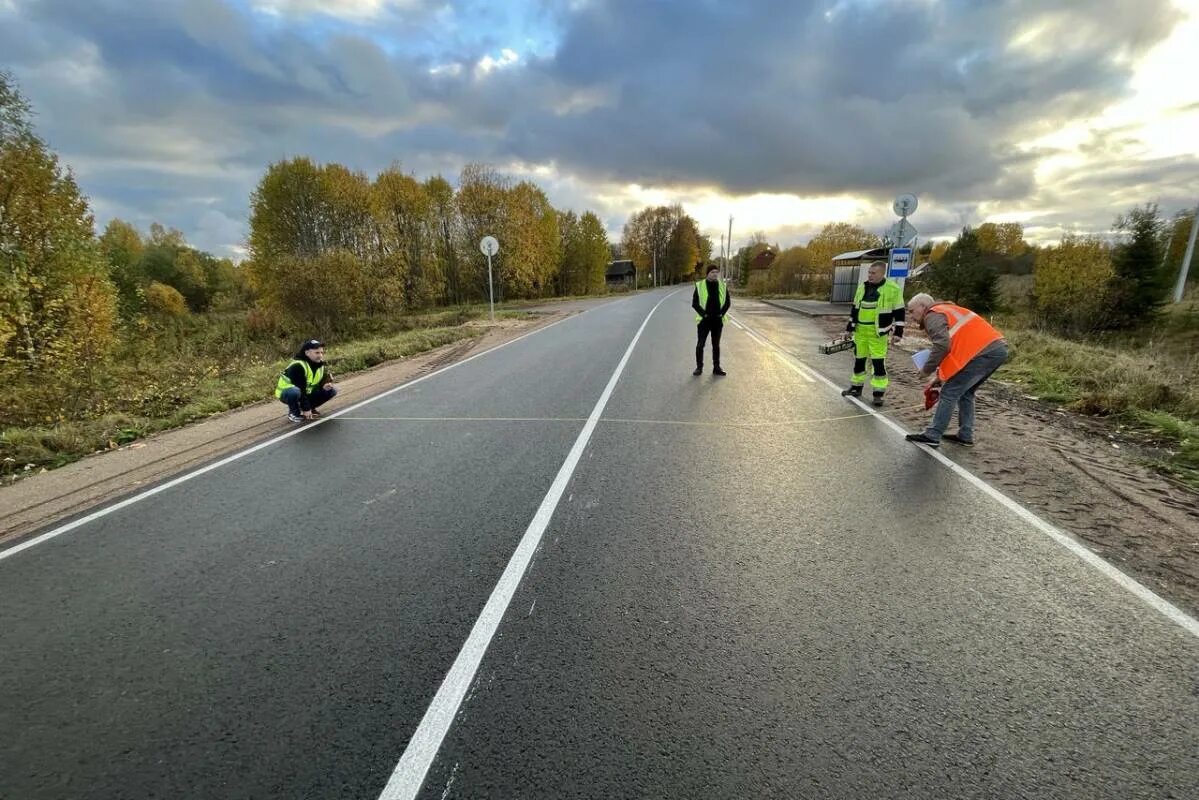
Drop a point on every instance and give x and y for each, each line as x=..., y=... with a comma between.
x=167, y=105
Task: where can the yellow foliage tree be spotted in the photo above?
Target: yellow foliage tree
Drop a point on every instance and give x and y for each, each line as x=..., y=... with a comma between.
x=57, y=278
x=165, y=300
x=836, y=238
x=1070, y=284
x=1004, y=238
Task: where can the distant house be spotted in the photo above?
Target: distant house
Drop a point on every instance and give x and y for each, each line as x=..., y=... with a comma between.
x=621, y=273
x=757, y=279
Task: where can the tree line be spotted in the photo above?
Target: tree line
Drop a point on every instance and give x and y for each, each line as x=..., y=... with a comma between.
x=1082, y=284
x=664, y=244
x=328, y=243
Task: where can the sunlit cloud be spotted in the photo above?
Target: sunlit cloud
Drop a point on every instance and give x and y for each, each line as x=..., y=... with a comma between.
x=1053, y=114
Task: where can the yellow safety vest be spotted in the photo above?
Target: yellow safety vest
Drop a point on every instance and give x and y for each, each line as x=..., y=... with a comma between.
x=313, y=377
x=701, y=286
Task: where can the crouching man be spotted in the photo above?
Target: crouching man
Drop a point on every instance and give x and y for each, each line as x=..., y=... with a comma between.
x=306, y=383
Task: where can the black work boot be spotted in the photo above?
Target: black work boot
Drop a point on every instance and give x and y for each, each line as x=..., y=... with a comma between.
x=852, y=391
x=877, y=402
x=716, y=370
x=699, y=369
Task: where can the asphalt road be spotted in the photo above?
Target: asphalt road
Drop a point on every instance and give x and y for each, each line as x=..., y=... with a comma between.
x=749, y=587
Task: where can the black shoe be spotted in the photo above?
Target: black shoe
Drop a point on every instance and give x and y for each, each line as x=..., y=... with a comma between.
x=922, y=439
x=719, y=371
x=699, y=370
x=953, y=437
x=294, y=418
x=852, y=391
x=877, y=402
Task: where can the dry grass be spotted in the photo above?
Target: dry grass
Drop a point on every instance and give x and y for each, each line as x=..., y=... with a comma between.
x=1149, y=378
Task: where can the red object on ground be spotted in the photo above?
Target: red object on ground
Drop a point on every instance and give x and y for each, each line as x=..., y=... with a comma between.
x=931, y=395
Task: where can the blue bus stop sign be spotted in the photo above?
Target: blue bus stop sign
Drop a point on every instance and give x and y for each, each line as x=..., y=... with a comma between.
x=900, y=262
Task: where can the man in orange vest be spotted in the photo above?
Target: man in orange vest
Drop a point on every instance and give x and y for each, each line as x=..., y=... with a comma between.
x=966, y=351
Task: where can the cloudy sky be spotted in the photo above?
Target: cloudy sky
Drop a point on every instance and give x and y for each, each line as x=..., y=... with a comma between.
x=784, y=113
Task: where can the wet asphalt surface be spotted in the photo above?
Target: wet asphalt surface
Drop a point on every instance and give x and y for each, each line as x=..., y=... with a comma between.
x=749, y=588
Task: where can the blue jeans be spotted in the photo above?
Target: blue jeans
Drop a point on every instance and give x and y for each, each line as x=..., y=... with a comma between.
x=297, y=404
x=959, y=391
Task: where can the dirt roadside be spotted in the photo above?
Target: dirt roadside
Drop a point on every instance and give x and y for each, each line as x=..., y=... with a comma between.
x=40, y=500
x=1083, y=474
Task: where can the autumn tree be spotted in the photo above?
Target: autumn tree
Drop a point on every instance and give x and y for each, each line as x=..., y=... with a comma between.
x=407, y=245
x=1070, y=285
x=304, y=216
x=123, y=247
x=584, y=253
x=481, y=199
x=836, y=238
x=529, y=236
x=792, y=271
x=445, y=224
x=57, y=287
x=682, y=250
x=1004, y=238
x=665, y=237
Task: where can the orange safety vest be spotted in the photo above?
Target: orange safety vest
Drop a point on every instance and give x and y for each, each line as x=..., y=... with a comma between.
x=969, y=334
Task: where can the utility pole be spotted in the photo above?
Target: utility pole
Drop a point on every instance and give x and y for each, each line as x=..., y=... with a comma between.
x=1186, y=259
x=730, y=245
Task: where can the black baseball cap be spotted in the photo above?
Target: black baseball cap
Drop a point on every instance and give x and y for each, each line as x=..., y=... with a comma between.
x=312, y=344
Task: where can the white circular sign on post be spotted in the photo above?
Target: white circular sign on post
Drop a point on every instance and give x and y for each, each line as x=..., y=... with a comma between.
x=489, y=246
x=905, y=205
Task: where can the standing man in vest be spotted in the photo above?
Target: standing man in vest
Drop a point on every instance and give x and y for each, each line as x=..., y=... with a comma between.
x=877, y=311
x=711, y=302
x=966, y=351
x=306, y=382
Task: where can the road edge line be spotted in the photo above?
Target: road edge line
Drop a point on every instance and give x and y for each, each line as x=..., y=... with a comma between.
x=1068, y=541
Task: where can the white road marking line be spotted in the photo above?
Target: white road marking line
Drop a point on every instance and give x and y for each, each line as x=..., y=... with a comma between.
x=801, y=373
x=799, y=368
x=1144, y=593
x=103, y=512
x=410, y=772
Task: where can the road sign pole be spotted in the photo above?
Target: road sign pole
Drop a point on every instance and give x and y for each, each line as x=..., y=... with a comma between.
x=489, y=247
x=490, y=288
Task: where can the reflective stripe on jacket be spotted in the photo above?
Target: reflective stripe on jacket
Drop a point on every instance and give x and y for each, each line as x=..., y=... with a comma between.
x=884, y=310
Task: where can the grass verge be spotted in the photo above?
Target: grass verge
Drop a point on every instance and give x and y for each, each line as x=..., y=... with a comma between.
x=1149, y=382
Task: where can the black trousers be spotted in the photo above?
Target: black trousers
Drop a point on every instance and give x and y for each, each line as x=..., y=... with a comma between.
x=706, y=326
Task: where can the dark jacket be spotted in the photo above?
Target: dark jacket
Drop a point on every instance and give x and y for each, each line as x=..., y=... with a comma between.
x=714, y=309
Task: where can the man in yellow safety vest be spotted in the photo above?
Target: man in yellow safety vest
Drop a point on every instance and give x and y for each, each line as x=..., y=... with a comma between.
x=306, y=382
x=877, y=313
x=711, y=302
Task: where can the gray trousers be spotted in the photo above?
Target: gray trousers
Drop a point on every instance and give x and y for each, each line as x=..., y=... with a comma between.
x=958, y=392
